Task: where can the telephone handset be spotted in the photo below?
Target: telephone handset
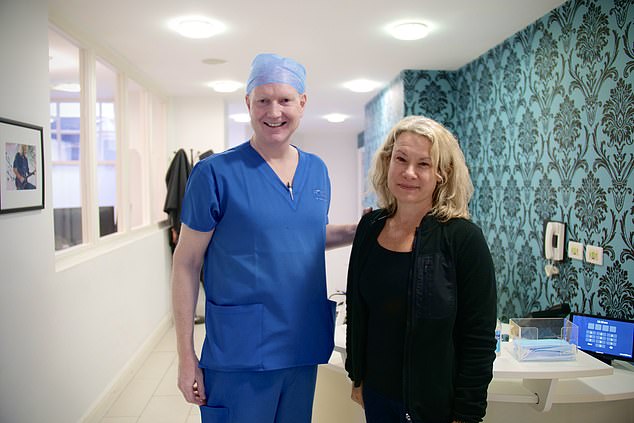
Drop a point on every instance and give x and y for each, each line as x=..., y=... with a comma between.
x=554, y=238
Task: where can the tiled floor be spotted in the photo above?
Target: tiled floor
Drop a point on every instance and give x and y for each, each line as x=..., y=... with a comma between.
x=152, y=396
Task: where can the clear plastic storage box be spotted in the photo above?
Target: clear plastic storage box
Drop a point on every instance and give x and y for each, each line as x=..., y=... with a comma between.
x=543, y=339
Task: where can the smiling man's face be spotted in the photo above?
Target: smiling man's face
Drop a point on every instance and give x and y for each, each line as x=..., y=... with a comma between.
x=275, y=110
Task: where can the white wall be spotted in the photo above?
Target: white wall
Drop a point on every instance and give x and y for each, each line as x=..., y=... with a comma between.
x=339, y=151
x=196, y=123
x=238, y=132
x=64, y=335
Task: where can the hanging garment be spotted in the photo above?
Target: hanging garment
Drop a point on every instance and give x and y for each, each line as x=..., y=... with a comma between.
x=176, y=180
x=205, y=154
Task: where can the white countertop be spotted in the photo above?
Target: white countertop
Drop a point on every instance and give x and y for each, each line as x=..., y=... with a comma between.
x=506, y=366
x=543, y=383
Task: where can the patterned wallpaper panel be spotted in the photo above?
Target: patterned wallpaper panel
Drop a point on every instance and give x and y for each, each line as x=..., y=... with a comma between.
x=381, y=113
x=546, y=121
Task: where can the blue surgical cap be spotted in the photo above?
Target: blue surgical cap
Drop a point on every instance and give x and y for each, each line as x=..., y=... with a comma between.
x=273, y=69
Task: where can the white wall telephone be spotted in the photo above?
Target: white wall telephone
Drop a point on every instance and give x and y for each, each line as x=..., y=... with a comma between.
x=554, y=238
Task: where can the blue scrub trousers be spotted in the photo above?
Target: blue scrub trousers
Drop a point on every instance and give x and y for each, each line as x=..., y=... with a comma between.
x=274, y=396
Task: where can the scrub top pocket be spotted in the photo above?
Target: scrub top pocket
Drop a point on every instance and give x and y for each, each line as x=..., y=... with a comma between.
x=235, y=336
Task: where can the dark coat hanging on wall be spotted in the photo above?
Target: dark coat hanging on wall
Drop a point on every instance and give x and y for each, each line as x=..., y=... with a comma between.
x=176, y=180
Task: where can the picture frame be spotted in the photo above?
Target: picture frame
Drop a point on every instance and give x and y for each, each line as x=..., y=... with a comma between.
x=21, y=166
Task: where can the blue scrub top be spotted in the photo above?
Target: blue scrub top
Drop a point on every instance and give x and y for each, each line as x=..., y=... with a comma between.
x=264, y=271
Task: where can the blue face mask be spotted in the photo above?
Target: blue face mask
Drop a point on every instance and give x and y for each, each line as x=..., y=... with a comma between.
x=273, y=69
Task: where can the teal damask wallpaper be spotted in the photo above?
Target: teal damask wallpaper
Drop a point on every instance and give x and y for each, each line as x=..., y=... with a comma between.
x=546, y=121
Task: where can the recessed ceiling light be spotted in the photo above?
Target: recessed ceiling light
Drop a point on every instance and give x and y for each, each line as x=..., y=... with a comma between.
x=335, y=117
x=225, y=86
x=361, y=85
x=240, y=117
x=212, y=61
x=408, y=31
x=196, y=26
x=71, y=87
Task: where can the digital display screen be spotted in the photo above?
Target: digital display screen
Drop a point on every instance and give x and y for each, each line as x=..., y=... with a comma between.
x=604, y=337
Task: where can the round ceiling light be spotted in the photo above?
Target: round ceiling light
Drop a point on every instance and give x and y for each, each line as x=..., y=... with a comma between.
x=409, y=31
x=361, y=85
x=196, y=26
x=335, y=117
x=225, y=86
x=213, y=61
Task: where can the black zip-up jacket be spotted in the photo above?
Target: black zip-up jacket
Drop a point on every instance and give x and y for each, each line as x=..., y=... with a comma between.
x=450, y=333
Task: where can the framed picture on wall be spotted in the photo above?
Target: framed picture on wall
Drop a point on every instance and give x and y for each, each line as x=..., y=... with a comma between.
x=22, y=166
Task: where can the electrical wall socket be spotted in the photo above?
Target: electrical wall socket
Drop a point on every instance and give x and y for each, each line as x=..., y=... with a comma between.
x=575, y=250
x=594, y=255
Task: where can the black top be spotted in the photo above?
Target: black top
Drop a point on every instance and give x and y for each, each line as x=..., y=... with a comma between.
x=449, y=343
x=384, y=291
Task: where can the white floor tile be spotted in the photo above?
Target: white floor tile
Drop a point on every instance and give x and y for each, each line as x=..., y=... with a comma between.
x=193, y=419
x=168, y=343
x=166, y=409
x=134, y=398
x=156, y=365
x=118, y=420
x=194, y=415
x=152, y=396
x=168, y=383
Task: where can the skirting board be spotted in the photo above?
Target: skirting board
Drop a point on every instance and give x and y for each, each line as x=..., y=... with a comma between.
x=99, y=409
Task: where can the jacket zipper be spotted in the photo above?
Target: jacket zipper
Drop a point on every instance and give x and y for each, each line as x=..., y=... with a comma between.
x=408, y=335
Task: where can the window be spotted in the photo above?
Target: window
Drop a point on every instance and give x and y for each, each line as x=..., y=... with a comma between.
x=107, y=146
x=65, y=142
x=106, y=149
x=159, y=161
x=137, y=163
x=147, y=159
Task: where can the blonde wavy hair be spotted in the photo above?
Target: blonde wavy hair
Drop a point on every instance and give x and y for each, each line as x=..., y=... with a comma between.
x=453, y=191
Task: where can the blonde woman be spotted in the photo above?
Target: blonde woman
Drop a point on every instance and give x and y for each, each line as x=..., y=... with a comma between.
x=421, y=295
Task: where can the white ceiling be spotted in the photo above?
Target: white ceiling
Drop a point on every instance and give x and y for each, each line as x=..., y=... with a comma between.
x=337, y=41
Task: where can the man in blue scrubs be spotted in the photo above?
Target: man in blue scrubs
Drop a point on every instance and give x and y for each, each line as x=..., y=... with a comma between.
x=257, y=216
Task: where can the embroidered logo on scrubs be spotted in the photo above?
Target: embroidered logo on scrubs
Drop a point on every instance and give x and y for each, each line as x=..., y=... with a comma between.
x=320, y=195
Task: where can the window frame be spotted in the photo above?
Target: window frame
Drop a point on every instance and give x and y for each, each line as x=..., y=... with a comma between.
x=92, y=243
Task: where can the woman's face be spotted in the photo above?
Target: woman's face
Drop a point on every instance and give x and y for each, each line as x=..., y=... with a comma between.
x=412, y=177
